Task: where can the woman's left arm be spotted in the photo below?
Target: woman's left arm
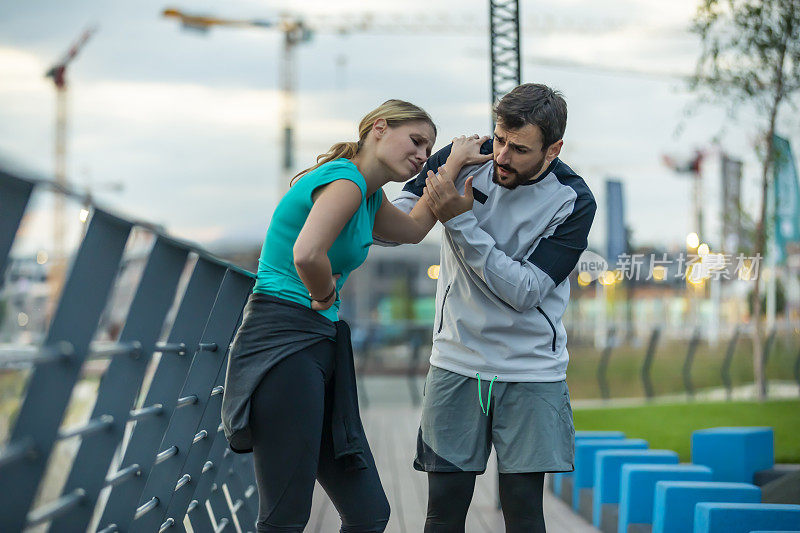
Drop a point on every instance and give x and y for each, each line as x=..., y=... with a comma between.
x=394, y=225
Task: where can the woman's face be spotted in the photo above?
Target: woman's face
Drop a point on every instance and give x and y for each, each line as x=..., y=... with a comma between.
x=404, y=149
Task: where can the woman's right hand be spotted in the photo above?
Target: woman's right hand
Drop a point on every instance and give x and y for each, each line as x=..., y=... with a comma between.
x=323, y=306
x=467, y=150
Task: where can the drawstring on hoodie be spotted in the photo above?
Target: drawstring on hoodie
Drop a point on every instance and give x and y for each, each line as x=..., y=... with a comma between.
x=480, y=398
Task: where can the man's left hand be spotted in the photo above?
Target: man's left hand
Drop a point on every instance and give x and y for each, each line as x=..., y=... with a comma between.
x=443, y=198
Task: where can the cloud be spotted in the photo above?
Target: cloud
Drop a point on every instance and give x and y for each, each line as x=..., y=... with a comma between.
x=191, y=124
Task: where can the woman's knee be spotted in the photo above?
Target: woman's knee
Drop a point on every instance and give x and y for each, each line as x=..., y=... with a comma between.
x=375, y=523
x=372, y=517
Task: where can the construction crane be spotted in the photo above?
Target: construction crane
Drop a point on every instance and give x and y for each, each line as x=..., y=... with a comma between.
x=505, y=47
x=58, y=73
x=504, y=31
x=294, y=32
x=505, y=55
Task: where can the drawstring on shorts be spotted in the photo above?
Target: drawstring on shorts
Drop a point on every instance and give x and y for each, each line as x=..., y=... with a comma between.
x=480, y=397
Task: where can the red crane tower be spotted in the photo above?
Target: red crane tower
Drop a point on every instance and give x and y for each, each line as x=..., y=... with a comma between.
x=58, y=73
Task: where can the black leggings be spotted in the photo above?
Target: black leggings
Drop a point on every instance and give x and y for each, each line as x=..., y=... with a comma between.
x=450, y=493
x=290, y=421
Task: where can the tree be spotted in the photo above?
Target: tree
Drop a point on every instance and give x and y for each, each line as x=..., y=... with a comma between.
x=751, y=58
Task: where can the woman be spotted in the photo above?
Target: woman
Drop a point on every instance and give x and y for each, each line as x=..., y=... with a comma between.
x=290, y=393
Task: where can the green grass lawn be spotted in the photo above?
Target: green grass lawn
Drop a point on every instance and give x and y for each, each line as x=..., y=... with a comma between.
x=671, y=426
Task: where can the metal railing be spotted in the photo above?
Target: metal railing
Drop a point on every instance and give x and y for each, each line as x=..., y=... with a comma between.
x=689, y=388
x=172, y=461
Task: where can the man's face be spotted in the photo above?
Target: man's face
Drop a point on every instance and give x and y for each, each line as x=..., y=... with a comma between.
x=519, y=155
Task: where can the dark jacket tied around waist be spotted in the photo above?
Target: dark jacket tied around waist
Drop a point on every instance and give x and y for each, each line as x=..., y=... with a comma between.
x=273, y=329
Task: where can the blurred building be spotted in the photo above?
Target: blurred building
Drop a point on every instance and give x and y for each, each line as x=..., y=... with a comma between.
x=24, y=295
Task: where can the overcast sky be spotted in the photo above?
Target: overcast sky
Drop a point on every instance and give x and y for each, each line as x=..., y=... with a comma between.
x=189, y=123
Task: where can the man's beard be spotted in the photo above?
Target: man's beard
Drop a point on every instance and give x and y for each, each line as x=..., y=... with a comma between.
x=517, y=178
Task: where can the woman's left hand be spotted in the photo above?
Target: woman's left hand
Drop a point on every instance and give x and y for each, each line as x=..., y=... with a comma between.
x=467, y=150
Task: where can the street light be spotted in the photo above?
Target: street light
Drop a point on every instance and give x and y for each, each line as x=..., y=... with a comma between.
x=692, y=241
x=584, y=279
x=608, y=278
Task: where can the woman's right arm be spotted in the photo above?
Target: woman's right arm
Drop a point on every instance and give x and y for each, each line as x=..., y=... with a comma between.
x=334, y=205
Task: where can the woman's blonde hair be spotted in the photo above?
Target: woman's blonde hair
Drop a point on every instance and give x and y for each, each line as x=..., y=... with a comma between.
x=394, y=112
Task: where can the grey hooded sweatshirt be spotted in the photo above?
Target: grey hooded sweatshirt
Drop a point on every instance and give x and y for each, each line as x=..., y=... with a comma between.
x=503, y=287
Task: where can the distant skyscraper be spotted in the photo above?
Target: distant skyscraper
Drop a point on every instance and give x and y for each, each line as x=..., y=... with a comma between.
x=616, y=234
x=731, y=209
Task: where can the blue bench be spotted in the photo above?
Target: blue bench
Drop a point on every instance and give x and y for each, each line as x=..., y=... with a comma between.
x=607, y=474
x=675, y=501
x=734, y=453
x=562, y=481
x=638, y=487
x=745, y=517
x=583, y=480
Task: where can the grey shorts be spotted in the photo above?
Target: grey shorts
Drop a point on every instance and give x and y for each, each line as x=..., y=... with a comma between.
x=530, y=425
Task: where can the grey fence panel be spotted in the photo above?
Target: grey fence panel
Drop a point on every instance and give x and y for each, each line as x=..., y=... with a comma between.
x=203, y=450
x=14, y=196
x=199, y=519
x=208, y=482
x=184, y=423
x=245, y=508
x=244, y=465
x=173, y=367
x=221, y=510
x=222, y=514
x=76, y=318
x=120, y=384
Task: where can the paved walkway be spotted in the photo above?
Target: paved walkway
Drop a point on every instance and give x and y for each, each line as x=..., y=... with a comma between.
x=392, y=432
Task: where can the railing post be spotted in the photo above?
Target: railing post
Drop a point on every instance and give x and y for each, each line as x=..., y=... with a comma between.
x=647, y=382
x=602, y=367
x=14, y=196
x=190, y=320
x=76, y=318
x=686, y=371
x=242, y=508
x=206, y=368
x=725, y=371
x=769, y=343
x=117, y=391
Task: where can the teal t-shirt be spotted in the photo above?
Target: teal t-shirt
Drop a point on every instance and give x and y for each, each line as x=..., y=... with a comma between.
x=276, y=272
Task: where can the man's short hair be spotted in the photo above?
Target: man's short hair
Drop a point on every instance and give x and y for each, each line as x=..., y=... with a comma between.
x=536, y=104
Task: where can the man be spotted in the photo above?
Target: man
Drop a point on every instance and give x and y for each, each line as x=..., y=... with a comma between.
x=510, y=240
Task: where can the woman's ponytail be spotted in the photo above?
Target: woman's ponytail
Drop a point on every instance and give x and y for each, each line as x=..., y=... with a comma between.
x=347, y=150
x=395, y=112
